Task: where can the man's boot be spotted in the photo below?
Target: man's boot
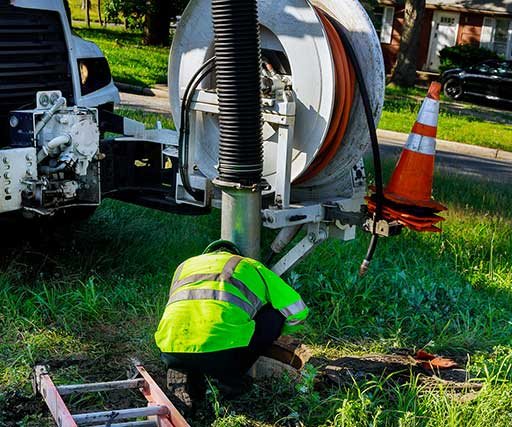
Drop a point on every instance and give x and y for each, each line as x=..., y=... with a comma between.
x=187, y=388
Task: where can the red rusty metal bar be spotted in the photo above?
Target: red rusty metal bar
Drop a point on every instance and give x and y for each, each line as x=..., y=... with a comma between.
x=43, y=384
x=159, y=412
x=156, y=397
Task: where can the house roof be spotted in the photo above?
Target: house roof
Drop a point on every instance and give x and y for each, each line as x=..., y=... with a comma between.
x=484, y=6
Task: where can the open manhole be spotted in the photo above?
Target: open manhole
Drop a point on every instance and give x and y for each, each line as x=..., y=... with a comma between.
x=286, y=355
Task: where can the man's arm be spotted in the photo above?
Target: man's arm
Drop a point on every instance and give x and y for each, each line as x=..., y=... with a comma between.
x=283, y=298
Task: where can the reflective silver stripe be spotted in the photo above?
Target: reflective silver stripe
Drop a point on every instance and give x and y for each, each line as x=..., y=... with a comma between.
x=292, y=309
x=177, y=275
x=229, y=267
x=429, y=112
x=247, y=293
x=421, y=144
x=294, y=322
x=225, y=276
x=213, y=294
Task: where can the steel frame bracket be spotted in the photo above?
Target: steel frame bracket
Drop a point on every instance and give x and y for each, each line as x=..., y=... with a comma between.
x=383, y=228
x=316, y=233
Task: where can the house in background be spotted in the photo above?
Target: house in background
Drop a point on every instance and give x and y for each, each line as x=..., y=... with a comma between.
x=447, y=23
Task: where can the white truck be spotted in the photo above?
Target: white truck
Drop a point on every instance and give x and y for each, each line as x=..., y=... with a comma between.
x=56, y=104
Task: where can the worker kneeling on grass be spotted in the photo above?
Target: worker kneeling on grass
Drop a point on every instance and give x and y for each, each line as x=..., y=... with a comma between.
x=224, y=311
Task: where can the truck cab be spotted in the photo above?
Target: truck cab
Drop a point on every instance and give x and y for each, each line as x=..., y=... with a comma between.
x=62, y=148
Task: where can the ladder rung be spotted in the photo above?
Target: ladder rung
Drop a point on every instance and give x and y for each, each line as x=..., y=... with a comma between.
x=95, y=387
x=131, y=424
x=120, y=414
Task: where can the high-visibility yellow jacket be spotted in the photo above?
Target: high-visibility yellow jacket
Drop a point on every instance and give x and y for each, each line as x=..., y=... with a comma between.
x=213, y=300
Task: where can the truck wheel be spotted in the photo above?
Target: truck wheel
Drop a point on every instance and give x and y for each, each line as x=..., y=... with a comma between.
x=453, y=88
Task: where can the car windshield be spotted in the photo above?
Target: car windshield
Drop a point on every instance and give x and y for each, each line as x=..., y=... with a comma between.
x=504, y=68
x=487, y=67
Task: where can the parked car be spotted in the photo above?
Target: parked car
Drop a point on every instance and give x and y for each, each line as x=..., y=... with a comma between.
x=490, y=79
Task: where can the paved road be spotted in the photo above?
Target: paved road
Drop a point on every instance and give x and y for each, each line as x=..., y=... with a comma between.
x=153, y=104
x=456, y=158
x=481, y=165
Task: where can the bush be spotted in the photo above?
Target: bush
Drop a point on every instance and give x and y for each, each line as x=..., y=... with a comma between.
x=133, y=12
x=464, y=55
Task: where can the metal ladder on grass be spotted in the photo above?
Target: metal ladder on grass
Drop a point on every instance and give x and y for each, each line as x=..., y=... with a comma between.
x=160, y=412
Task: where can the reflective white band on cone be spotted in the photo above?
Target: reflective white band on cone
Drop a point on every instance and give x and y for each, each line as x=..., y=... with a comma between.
x=429, y=112
x=421, y=144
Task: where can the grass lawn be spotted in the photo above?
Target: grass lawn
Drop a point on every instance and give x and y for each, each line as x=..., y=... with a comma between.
x=85, y=298
x=130, y=61
x=80, y=14
x=451, y=127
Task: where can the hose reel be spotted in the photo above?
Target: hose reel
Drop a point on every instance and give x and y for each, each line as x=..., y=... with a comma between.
x=314, y=126
x=294, y=31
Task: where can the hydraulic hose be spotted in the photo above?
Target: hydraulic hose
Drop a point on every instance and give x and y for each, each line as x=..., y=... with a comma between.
x=373, y=138
x=237, y=49
x=348, y=72
x=344, y=94
x=184, y=133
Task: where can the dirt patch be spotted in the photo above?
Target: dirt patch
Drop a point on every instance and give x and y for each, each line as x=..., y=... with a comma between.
x=400, y=368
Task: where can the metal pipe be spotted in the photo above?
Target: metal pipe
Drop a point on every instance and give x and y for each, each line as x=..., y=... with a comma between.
x=54, y=143
x=103, y=386
x=241, y=220
x=237, y=66
x=120, y=414
x=131, y=424
x=48, y=115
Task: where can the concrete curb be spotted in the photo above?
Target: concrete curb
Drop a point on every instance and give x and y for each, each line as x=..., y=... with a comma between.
x=159, y=92
x=452, y=147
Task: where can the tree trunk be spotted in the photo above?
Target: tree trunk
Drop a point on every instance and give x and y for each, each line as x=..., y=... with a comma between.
x=157, y=22
x=99, y=13
x=84, y=4
x=88, y=12
x=404, y=73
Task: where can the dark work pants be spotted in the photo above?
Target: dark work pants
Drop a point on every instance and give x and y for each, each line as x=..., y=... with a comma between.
x=229, y=366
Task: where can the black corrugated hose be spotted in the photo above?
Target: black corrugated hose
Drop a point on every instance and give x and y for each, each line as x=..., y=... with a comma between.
x=238, y=63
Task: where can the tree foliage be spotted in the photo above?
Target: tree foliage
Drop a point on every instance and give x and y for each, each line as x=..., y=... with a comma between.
x=133, y=13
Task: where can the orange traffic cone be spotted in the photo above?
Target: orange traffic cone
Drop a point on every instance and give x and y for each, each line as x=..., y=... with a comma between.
x=411, y=182
x=408, y=196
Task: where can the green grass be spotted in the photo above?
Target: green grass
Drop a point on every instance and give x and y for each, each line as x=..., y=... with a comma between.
x=400, y=114
x=129, y=60
x=80, y=14
x=86, y=298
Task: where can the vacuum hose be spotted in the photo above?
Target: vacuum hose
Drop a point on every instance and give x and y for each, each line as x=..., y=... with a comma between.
x=373, y=138
x=238, y=63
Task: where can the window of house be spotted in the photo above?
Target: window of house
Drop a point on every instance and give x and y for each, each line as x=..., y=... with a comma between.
x=386, y=29
x=497, y=36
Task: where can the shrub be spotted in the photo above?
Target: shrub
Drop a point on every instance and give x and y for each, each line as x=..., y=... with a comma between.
x=133, y=12
x=464, y=55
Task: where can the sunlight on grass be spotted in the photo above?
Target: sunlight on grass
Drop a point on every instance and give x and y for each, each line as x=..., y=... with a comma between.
x=452, y=128
x=104, y=282
x=130, y=61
